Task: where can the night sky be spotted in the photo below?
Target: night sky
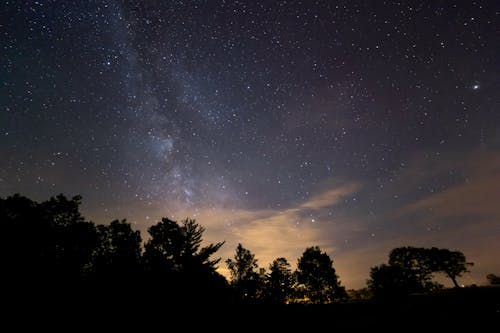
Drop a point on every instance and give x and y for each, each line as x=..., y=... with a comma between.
x=357, y=126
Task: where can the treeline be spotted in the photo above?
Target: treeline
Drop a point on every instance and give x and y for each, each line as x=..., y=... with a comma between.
x=49, y=247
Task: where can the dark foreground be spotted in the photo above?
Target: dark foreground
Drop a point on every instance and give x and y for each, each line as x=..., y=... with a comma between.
x=468, y=309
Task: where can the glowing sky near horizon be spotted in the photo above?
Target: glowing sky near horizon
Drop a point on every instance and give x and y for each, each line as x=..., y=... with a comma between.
x=358, y=126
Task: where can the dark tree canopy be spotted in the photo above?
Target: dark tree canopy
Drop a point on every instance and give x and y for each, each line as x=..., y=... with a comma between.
x=413, y=264
x=392, y=281
x=179, y=265
x=118, y=256
x=493, y=279
x=317, y=277
x=47, y=242
x=451, y=263
x=280, y=282
x=49, y=246
x=176, y=246
x=411, y=269
x=246, y=279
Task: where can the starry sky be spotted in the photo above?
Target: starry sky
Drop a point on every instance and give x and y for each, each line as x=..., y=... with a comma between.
x=357, y=126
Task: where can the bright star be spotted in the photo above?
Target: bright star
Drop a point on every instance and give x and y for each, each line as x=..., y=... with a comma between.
x=475, y=87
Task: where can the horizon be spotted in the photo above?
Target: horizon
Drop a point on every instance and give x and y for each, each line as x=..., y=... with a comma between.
x=468, y=279
x=355, y=126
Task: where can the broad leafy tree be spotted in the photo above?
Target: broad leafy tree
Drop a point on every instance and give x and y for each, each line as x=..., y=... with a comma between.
x=47, y=246
x=48, y=241
x=280, y=282
x=178, y=265
x=414, y=265
x=50, y=247
x=317, y=277
x=493, y=279
x=411, y=269
x=62, y=211
x=245, y=277
x=118, y=256
x=177, y=247
x=451, y=263
x=392, y=281
x=73, y=240
x=25, y=240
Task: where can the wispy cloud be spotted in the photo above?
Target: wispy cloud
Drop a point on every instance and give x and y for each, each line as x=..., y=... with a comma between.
x=330, y=196
x=464, y=216
x=270, y=234
x=476, y=197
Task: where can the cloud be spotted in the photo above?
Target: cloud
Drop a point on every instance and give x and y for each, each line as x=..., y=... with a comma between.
x=475, y=197
x=464, y=216
x=270, y=234
x=330, y=197
x=358, y=235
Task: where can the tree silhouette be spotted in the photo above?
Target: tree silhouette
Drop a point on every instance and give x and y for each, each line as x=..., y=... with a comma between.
x=392, y=281
x=178, y=265
x=46, y=249
x=411, y=270
x=176, y=247
x=118, y=256
x=280, y=282
x=317, y=277
x=49, y=242
x=246, y=279
x=414, y=265
x=493, y=279
x=75, y=244
x=50, y=252
x=61, y=211
x=452, y=263
x=26, y=241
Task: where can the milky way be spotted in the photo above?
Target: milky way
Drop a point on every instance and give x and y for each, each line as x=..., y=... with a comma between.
x=358, y=126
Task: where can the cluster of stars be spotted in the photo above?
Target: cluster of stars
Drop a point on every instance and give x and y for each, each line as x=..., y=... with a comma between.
x=254, y=105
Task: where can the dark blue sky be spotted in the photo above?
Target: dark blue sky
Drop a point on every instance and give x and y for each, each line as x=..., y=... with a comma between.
x=358, y=126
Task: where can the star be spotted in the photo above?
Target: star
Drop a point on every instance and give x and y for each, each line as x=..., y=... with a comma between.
x=343, y=118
